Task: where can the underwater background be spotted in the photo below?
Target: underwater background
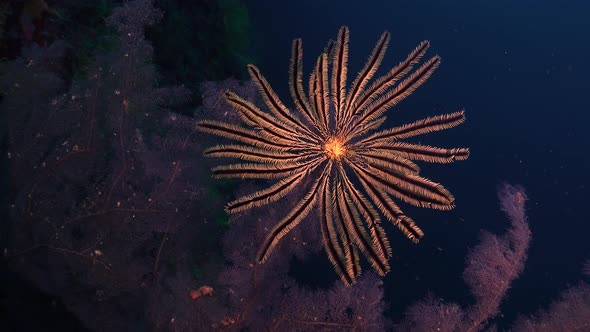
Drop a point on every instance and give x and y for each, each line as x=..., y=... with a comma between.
x=125, y=236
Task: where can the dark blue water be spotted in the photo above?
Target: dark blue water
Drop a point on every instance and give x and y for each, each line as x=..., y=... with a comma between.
x=520, y=70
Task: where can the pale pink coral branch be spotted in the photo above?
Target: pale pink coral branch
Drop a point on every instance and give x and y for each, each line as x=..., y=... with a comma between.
x=492, y=265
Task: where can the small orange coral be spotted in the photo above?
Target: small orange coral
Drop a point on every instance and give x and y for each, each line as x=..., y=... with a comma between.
x=202, y=291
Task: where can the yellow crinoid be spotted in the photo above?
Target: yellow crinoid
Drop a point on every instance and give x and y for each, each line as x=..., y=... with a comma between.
x=330, y=137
